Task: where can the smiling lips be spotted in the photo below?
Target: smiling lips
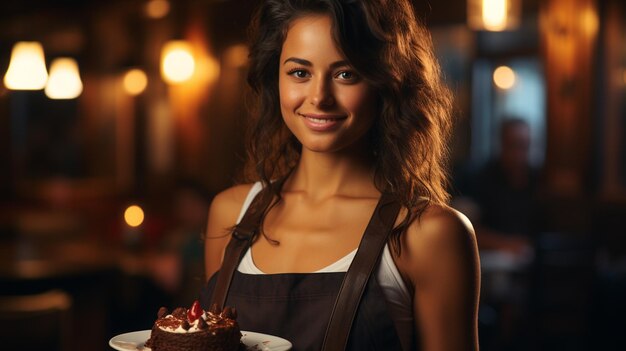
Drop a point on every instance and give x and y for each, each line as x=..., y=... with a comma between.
x=321, y=122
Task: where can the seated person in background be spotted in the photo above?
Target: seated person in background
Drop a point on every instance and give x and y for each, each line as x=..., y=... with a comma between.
x=501, y=197
x=506, y=190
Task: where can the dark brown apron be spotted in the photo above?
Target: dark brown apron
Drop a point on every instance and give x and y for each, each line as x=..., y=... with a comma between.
x=299, y=306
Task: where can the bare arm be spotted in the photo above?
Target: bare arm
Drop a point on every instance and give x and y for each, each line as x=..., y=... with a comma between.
x=440, y=260
x=223, y=215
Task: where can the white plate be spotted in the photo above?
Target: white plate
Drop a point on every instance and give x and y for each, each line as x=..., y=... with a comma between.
x=130, y=341
x=263, y=342
x=254, y=341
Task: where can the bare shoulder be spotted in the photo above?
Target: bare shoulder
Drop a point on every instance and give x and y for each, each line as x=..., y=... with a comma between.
x=234, y=195
x=441, y=236
x=223, y=215
x=226, y=206
x=440, y=226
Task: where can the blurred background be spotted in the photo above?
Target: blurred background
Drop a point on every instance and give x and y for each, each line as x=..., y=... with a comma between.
x=120, y=119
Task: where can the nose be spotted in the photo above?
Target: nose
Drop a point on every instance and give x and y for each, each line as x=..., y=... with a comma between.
x=322, y=92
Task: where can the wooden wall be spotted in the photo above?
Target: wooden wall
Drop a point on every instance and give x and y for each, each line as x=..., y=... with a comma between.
x=569, y=31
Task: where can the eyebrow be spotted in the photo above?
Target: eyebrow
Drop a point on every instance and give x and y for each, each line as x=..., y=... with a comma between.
x=308, y=63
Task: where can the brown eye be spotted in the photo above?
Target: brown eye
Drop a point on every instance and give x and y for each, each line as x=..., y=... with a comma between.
x=347, y=76
x=298, y=73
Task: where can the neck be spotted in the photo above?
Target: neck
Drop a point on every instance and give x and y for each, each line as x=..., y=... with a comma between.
x=324, y=175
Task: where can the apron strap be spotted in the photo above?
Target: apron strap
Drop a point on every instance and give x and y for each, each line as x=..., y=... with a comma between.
x=240, y=241
x=353, y=285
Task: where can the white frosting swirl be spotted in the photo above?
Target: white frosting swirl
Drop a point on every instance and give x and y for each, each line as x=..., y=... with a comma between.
x=193, y=327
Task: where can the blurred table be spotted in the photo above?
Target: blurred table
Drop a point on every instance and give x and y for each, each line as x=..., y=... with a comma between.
x=503, y=272
x=27, y=259
x=84, y=269
x=505, y=289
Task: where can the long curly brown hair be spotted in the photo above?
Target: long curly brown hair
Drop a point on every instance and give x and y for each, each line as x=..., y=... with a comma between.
x=386, y=44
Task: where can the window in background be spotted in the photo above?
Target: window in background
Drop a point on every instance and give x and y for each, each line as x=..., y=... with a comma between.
x=491, y=105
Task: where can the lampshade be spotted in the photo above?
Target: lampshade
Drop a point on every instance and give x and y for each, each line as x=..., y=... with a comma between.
x=27, y=68
x=493, y=15
x=64, y=81
x=177, y=62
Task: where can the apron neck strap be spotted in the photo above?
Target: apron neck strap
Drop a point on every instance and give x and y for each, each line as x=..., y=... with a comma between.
x=354, y=283
x=241, y=239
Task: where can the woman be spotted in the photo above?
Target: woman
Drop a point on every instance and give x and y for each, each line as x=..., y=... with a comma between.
x=349, y=105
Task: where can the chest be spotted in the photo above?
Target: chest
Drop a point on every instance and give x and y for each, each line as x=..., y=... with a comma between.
x=305, y=237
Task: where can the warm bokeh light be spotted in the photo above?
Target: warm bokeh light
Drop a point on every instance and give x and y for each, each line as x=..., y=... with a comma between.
x=589, y=20
x=135, y=81
x=504, y=77
x=493, y=15
x=27, y=68
x=236, y=56
x=177, y=62
x=212, y=68
x=624, y=76
x=133, y=216
x=157, y=8
x=64, y=81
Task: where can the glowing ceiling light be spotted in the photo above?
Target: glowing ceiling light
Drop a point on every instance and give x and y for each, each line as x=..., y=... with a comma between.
x=64, y=81
x=177, y=62
x=493, y=15
x=27, y=68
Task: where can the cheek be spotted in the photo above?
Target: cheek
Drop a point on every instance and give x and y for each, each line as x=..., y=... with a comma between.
x=288, y=103
x=289, y=96
x=363, y=103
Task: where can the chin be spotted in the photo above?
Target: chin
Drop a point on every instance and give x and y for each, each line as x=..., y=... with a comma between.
x=318, y=144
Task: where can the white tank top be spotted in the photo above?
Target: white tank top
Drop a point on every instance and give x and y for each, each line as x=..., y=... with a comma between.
x=396, y=293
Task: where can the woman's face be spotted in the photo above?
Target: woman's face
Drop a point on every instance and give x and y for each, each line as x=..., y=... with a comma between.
x=323, y=101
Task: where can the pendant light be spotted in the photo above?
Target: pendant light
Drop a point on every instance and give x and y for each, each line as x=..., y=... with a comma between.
x=64, y=81
x=177, y=62
x=493, y=15
x=27, y=68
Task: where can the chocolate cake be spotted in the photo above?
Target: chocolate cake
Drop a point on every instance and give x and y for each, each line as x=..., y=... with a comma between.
x=195, y=329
